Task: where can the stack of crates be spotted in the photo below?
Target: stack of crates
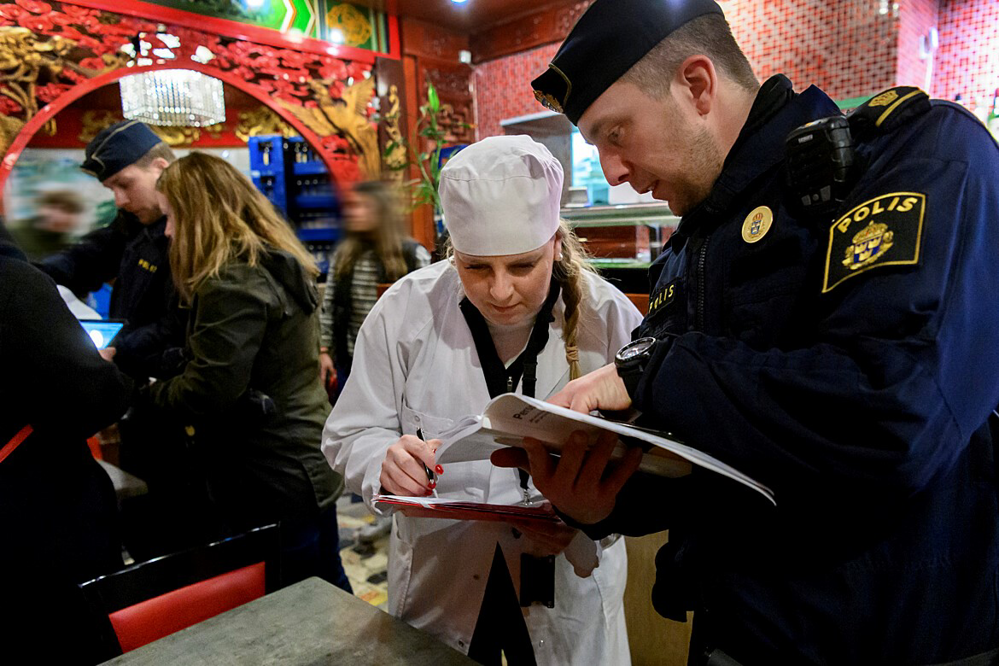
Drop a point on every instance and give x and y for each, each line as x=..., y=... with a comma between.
x=293, y=178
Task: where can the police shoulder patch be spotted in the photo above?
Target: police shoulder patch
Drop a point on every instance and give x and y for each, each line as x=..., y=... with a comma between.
x=884, y=231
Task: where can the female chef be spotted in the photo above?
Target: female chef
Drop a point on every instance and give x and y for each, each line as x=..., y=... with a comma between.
x=514, y=308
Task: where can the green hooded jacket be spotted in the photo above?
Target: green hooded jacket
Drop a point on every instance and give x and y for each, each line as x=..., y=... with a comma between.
x=252, y=390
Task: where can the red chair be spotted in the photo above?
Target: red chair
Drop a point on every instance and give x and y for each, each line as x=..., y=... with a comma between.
x=150, y=600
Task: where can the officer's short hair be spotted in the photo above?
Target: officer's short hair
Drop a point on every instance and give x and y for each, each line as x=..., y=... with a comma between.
x=708, y=35
x=159, y=150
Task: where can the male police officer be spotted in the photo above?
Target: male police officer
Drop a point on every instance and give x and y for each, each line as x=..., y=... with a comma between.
x=133, y=251
x=844, y=354
x=127, y=158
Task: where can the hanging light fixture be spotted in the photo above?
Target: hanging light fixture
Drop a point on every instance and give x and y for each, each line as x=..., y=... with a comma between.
x=173, y=98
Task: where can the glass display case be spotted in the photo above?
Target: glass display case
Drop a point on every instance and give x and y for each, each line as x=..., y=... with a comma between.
x=623, y=240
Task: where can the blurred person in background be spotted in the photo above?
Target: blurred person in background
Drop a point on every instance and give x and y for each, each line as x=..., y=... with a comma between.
x=58, y=512
x=251, y=385
x=51, y=230
x=375, y=251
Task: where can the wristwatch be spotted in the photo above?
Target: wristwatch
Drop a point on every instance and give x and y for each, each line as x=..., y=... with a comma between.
x=631, y=360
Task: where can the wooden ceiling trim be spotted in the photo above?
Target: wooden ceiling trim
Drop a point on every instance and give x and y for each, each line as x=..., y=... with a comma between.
x=548, y=25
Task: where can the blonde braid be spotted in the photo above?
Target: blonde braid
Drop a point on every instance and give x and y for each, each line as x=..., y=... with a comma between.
x=569, y=273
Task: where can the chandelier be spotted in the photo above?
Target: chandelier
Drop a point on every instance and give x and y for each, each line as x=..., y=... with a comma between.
x=173, y=98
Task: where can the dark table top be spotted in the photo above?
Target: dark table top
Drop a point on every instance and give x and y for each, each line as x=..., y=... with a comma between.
x=311, y=622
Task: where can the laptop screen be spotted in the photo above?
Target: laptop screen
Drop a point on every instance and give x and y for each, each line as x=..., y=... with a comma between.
x=101, y=332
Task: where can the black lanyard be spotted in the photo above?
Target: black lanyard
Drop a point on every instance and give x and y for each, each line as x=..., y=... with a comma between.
x=501, y=379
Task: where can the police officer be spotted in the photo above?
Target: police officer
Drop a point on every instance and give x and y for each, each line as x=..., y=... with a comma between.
x=843, y=354
x=132, y=251
x=128, y=158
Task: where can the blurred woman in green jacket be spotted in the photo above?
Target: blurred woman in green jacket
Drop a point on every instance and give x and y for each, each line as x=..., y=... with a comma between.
x=251, y=386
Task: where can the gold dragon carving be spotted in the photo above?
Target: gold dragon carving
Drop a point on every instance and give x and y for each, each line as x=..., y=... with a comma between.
x=346, y=117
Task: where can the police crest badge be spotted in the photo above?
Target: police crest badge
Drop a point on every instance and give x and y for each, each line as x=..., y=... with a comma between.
x=757, y=224
x=868, y=245
x=884, y=231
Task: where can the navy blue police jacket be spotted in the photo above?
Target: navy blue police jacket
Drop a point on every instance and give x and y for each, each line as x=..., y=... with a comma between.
x=135, y=257
x=850, y=364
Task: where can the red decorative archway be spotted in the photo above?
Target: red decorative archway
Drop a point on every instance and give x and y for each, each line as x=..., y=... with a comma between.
x=52, y=53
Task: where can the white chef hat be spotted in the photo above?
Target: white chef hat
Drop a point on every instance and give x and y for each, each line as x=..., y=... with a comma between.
x=501, y=196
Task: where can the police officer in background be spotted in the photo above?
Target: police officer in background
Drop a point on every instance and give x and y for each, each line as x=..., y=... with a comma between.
x=836, y=339
x=128, y=158
x=132, y=251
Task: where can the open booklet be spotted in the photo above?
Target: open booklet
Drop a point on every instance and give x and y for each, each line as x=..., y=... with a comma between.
x=510, y=417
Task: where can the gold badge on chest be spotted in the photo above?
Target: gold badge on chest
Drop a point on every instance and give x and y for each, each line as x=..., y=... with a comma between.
x=757, y=224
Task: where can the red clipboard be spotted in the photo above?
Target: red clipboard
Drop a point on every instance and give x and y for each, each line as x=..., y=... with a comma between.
x=420, y=507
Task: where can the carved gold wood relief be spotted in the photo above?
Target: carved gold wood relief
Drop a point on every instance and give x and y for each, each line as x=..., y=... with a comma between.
x=262, y=121
x=346, y=116
x=48, y=48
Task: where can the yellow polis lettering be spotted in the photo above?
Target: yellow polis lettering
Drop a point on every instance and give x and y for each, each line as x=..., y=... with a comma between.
x=895, y=201
x=907, y=204
x=861, y=214
x=876, y=208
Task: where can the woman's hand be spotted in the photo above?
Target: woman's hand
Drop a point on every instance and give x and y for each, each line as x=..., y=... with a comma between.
x=327, y=371
x=404, y=471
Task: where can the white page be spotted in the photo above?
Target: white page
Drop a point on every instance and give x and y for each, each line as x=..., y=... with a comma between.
x=510, y=417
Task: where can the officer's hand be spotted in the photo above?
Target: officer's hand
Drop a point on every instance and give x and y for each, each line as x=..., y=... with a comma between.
x=601, y=389
x=108, y=353
x=327, y=372
x=582, y=484
x=403, y=470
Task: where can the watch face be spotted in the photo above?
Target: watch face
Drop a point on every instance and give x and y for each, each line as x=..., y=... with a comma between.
x=636, y=348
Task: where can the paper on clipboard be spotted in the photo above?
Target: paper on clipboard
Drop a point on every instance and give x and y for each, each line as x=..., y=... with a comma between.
x=510, y=417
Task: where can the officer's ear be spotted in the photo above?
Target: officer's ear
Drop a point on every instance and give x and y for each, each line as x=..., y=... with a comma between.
x=158, y=165
x=697, y=83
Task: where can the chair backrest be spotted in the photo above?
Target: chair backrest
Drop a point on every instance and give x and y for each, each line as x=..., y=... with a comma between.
x=150, y=600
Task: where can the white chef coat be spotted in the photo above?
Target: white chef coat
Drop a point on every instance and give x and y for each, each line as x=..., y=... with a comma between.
x=416, y=366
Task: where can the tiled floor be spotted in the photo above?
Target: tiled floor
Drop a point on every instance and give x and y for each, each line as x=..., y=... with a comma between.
x=365, y=565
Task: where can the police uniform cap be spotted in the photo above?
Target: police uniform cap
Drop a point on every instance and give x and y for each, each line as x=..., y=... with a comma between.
x=610, y=37
x=117, y=147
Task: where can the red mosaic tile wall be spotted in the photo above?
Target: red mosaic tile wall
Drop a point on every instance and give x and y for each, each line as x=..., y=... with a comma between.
x=916, y=18
x=966, y=61
x=847, y=48
x=503, y=88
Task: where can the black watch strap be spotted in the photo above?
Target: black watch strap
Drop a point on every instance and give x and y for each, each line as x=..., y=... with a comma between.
x=631, y=376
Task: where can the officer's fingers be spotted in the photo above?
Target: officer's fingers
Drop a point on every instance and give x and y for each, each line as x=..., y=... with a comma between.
x=622, y=471
x=571, y=458
x=563, y=398
x=510, y=457
x=583, y=401
x=539, y=462
x=597, y=460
